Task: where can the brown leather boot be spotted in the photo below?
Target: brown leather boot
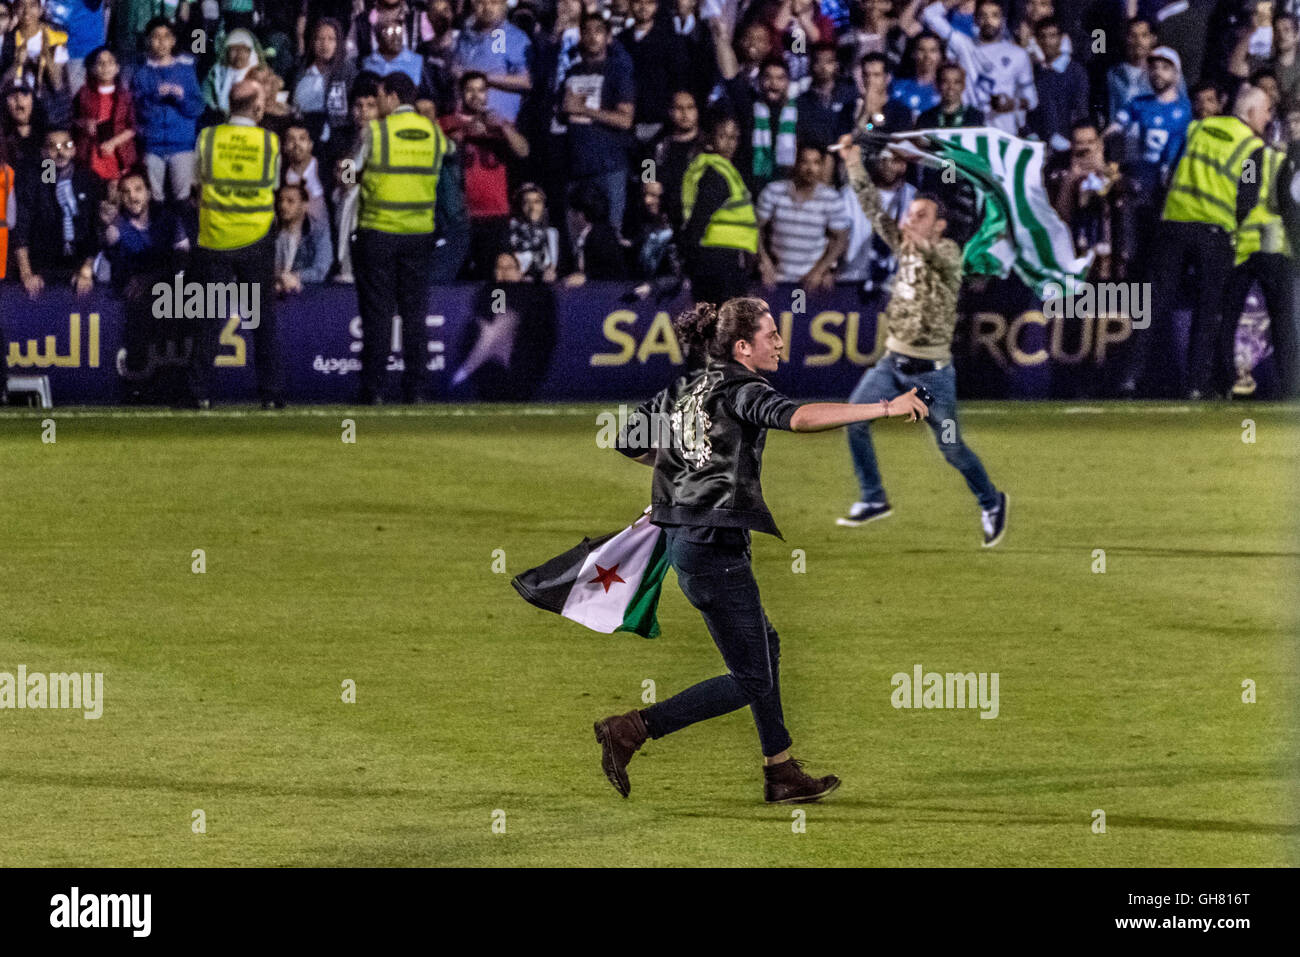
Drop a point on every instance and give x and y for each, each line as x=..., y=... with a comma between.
x=786, y=783
x=620, y=737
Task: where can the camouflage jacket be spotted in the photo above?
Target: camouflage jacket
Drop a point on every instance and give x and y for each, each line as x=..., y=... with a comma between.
x=922, y=310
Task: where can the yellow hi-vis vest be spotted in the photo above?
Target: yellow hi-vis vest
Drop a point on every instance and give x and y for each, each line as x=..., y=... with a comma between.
x=399, y=184
x=734, y=225
x=1262, y=231
x=239, y=167
x=1204, y=187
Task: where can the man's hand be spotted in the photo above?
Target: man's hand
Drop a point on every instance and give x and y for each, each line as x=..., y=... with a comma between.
x=767, y=272
x=83, y=282
x=1002, y=103
x=288, y=283
x=916, y=239
x=907, y=404
x=34, y=284
x=819, y=277
x=849, y=151
x=575, y=104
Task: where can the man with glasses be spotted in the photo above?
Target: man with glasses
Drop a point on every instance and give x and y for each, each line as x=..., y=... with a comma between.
x=54, y=237
x=393, y=54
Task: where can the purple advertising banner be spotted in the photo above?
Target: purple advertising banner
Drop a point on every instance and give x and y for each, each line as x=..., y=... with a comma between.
x=523, y=342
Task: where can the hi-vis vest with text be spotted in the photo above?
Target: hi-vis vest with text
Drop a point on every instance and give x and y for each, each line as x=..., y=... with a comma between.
x=238, y=168
x=1204, y=187
x=399, y=184
x=734, y=225
x=1263, y=231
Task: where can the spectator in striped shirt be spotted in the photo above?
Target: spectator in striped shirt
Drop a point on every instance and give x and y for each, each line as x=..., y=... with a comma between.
x=803, y=225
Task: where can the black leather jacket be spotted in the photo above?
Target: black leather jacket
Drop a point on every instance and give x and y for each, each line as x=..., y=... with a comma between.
x=707, y=432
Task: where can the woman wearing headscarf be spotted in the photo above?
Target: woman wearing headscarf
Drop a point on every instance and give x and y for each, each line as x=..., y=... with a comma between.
x=237, y=53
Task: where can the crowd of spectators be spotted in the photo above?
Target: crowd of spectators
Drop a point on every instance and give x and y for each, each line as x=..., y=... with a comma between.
x=574, y=120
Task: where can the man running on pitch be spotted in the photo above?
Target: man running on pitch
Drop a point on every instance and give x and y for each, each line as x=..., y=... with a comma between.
x=920, y=317
x=706, y=447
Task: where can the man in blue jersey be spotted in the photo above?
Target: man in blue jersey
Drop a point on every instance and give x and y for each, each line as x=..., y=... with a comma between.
x=1154, y=125
x=1147, y=136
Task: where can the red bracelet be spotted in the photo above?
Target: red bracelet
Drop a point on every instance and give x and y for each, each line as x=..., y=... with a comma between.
x=885, y=404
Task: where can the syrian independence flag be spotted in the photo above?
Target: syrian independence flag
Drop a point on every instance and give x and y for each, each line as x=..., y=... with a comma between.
x=1020, y=231
x=609, y=584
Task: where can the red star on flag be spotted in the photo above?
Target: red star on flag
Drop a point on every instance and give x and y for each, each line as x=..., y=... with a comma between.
x=606, y=577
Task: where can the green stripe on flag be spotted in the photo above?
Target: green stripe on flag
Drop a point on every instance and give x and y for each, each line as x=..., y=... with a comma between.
x=640, y=617
x=1019, y=231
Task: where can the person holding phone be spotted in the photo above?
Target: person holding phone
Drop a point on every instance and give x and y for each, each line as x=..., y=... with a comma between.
x=708, y=497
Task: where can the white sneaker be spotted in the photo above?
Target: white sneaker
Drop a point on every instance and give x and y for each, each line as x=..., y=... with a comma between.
x=995, y=521
x=862, y=512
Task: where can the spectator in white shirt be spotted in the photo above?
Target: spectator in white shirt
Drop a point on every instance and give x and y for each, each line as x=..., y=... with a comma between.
x=1000, y=78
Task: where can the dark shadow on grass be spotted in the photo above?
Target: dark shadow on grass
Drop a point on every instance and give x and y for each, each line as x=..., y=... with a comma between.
x=984, y=817
x=149, y=782
x=1138, y=550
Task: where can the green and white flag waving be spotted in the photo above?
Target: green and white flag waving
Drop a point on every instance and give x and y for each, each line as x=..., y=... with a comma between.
x=1020, y=231
x=609, y=584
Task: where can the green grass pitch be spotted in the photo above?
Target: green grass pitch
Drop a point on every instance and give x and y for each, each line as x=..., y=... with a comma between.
x=373, y=562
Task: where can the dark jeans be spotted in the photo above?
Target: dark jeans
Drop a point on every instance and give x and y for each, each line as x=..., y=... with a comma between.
x=392, y=273
x=1276, y=275
x=1208, y=250
x=719, y=582
x=255, y=264
x=885, y=380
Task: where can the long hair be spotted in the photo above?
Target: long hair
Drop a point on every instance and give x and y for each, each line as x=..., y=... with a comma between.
x=709, y=332
x=340, y=43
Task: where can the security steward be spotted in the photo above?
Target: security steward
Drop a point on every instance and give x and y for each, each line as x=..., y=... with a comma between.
x=1214, y=187
x=238, y=169
x=720, y=231
x=1264, y=255
x=399, y=158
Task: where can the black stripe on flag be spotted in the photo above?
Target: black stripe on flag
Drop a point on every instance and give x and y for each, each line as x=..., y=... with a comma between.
x=547, y=586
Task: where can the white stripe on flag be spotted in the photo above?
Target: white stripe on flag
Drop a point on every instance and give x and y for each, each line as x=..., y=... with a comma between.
x=624, y=556
x=1004, y=152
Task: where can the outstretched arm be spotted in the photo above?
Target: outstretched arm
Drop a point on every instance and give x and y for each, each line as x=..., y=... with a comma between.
x=822, y=416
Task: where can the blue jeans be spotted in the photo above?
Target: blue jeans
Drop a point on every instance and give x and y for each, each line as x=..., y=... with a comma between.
x=719, y=581
x=884, y=380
